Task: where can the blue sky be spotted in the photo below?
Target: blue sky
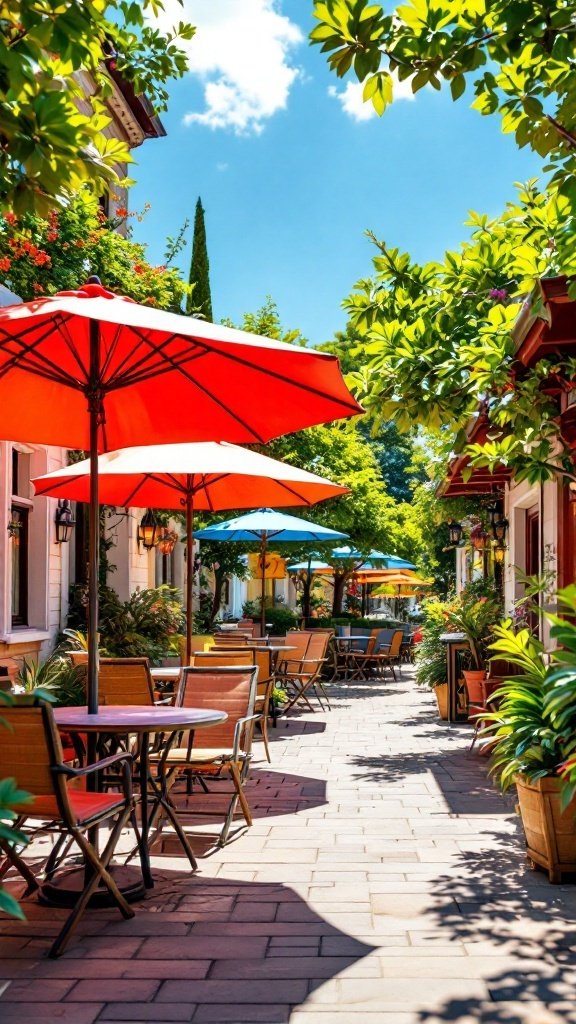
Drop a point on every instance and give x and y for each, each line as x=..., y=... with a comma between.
x=291, y=174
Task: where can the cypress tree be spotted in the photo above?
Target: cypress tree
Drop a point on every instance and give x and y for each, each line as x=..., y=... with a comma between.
x=199, y=268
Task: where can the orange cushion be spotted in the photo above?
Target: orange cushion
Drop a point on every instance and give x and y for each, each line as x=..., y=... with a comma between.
x=84, y=805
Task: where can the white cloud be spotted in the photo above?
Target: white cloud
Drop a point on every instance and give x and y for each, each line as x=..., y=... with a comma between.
x=354, y=106
x=221, y=167
x=242, y=54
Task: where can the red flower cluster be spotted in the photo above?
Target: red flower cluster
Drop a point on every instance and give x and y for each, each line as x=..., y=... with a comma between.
x=121, y=211
x=10, y=218
x=5, y=264
x=27, y=249
x=138, y=268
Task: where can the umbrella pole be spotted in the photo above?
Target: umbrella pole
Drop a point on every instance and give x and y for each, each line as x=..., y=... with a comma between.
x=263, y=586
x=95, y=411
x=189, y=573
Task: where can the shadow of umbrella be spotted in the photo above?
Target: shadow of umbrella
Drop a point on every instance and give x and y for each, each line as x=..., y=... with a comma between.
x=239, y=951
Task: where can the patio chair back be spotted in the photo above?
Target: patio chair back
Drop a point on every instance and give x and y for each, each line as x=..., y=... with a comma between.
x=125, y=681
x=29, y=749
x=343, y=630
x=396, y=643
x=231, y=689
x=226, y=657
x=318, y=645
x=299, y=639
x=383, y=640
x=234, y=639
x=364, y=636
x=252, y=654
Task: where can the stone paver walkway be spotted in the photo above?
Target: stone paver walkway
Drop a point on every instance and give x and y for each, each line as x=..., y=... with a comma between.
x=383, y=882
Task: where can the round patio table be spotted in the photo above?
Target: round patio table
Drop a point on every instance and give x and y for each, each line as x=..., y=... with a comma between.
x=130, y=719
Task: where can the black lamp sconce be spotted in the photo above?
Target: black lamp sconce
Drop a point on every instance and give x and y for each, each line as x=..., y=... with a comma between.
x=65, y=521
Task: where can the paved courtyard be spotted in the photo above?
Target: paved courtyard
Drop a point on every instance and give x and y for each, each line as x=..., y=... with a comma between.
x=383, y=882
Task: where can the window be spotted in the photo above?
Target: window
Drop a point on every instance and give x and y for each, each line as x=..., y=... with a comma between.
x=18, y=529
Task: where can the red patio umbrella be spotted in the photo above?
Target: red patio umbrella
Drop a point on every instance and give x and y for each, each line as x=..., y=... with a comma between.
x=91, y=369
x=206, y=475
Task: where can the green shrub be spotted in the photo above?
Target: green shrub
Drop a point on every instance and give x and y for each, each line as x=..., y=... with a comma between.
x=148, y=625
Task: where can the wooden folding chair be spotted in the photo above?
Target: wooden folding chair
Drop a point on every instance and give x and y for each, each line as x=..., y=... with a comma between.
x=302, y=676
x=228, y=747
x=31, y=752
x=388, y=657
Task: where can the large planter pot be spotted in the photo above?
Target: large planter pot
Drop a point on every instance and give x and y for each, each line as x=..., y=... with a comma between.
x=441, y=692
x=550, y=832
x=474, y=679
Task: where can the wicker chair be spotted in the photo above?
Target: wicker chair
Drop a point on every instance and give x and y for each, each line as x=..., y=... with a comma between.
x=31, y=750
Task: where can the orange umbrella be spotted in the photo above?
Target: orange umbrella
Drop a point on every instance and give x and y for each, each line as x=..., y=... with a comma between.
x=90, y=369
x=206, y=475
x=394, y=577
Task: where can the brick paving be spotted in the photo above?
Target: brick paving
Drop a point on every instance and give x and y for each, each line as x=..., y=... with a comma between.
x=383, y=882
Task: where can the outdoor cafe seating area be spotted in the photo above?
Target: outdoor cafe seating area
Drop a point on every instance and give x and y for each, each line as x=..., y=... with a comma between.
x=160, y=736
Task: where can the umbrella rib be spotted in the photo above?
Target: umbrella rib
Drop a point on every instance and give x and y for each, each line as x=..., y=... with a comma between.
x=135, y=490
x=292, y=490
x=34, y=362
x=72, y=345
x=206, y=490
x=111, y=350
x=132, y=375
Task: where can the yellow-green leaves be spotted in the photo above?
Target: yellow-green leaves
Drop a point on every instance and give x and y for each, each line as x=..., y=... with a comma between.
x=379, y=89
x=51, y=144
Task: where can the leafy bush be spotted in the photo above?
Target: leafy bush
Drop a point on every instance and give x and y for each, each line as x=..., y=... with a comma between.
x=281, y=619
x=149, y=624
x=431, y=651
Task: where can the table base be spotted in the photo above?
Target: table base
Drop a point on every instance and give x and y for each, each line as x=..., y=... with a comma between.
x=65, y=889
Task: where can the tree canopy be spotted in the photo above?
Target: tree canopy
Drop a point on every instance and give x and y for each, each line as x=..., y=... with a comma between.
x=437, y=338
x=50, y=145
x=517, y=58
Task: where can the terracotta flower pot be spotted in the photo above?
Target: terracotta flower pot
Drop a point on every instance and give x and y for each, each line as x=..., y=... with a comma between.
x=550, y=831
x=474, y=679
x=441, y=692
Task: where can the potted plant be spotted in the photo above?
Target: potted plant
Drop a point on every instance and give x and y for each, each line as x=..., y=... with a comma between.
x=533, y=730
x=475, y=617
x=431, y=653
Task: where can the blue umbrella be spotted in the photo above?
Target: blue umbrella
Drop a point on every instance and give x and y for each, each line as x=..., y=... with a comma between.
x=372, y=559
x=264, y=525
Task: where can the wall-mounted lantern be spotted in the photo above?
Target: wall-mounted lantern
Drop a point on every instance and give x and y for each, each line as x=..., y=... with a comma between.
x=454, y=532
x=148, y=530
x=65, y=521
x=499, y=551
